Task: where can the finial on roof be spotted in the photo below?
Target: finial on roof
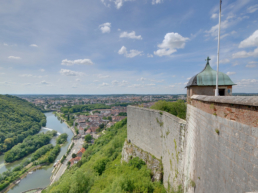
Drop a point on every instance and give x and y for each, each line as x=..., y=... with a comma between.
x=208, y=59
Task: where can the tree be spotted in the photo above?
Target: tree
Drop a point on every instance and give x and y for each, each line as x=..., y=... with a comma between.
x=69, y=163
x=74, y=155
x=88, y=138
x=110, y=118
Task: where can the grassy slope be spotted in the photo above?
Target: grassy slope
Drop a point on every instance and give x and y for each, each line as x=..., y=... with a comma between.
x=101, y=169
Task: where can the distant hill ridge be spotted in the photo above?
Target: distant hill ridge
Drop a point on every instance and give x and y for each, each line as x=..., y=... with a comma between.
x=18, y=119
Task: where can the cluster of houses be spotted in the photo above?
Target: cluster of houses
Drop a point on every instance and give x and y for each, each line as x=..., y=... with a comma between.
x=89, y=124
x=78, y=157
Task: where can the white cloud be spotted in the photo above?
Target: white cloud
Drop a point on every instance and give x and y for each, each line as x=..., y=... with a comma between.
x=115, y=82
x=130, y=35
x=250, y=41
x=189, y=78
x=14, y=57
x=78, y=80
x=104, y=84
x=244, y=54
x=224, y=61
x=230, y=73
x=79, y=61
x=42, y=70
x=27, y=84
x=252, y=62
x=118, y=3
x=67, y=72
x=156, y=1
x=135, y=86
x=34, y=45
x=103, y=76
x=105, y=27
x=250, y=65
x=235, y=64
x=253, y=8
x=172, y=86
x=5, y=44
x=95, y=80
x=44, y=82
x=149, y=55
x=247, y=83
x=172, y=42
x=151, y=84
x=131, y=54
x=26, y=75
x=141, y=79
x=214, y=15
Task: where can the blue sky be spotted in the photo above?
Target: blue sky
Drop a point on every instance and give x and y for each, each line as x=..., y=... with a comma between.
x=123, y=46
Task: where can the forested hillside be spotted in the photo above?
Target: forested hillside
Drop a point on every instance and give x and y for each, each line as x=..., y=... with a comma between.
x=100, y=169
x=18, y=120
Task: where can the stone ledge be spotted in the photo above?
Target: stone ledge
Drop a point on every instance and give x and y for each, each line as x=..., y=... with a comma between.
x=237, y=100
x=158, y=111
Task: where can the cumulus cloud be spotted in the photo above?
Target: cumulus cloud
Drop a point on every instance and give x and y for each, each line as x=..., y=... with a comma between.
x=141, y=79
x=130, y=54
x=44, y=82
x=149, y=55
x=42, y=70
x=67, y=72
x=214, y=15
x=135, y=86
x=172, y=42
x=105, y=27
x=34, y=45
x=250, y=65
x=14, y=57
x=79, y=61
x=26, y=75
x=253, y=8
x=115, y=82
x=250, y=41
x=103, y=76
x=244, y=54
x=104, y=84
x=118, y=3
x=130, y=35
x=156, y=2
x=224, y=61
x=247, y=83
x=231, y=73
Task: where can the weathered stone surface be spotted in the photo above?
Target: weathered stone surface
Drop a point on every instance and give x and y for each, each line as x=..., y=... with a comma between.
x=130, y=151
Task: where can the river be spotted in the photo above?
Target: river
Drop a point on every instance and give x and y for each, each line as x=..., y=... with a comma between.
x=41, y=177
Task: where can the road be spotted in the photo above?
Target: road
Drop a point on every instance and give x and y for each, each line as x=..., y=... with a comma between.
x=77, y=146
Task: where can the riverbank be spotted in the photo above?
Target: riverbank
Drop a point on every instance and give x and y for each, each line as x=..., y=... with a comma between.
x=11, y=185
x=59, y=116
x=41, y=177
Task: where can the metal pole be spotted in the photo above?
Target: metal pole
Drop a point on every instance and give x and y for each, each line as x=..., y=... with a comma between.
x=217, y=76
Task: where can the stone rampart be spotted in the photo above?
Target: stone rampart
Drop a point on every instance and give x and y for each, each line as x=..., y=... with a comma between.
x=220, y=150
x=160, y=134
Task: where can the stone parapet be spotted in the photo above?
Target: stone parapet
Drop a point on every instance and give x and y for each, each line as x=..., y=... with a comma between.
x=236, y=108
x=237, y=100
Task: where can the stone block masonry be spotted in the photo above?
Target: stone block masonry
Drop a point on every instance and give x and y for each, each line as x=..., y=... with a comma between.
x=162, y=135
x=221, y=152
x=214, y=151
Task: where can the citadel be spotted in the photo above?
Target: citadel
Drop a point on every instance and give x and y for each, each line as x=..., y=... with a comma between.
x=215, y=150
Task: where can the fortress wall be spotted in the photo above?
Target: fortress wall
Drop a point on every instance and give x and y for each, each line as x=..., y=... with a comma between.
x=161, y=134
x=227, y=160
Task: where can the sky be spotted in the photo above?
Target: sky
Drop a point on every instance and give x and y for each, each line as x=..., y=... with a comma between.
x=124, y=46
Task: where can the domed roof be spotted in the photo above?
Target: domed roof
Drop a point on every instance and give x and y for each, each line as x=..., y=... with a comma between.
x=207, y=77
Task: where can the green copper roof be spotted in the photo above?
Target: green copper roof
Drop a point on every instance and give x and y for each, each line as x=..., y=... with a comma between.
x=208, y=77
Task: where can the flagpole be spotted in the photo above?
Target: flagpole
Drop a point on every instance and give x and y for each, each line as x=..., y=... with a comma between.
x=217, y=76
